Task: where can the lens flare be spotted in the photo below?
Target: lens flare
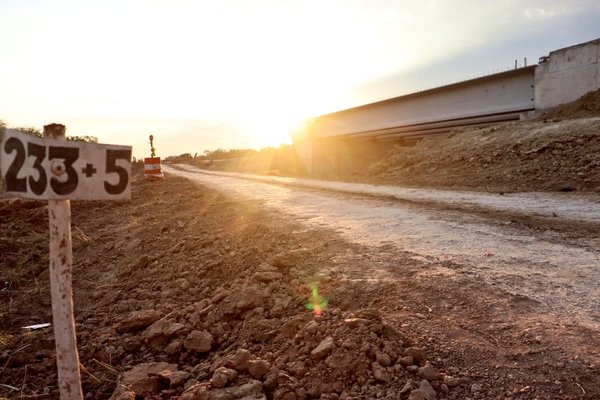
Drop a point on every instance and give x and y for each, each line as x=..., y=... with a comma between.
x=316, y=302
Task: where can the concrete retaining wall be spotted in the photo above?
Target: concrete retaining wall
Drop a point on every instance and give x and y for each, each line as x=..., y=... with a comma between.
x=567, y=74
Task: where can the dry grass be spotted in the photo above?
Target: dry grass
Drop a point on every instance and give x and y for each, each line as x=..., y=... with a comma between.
x=5, y=338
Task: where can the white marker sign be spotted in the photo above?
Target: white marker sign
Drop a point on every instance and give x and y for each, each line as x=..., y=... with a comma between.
x=49, y=169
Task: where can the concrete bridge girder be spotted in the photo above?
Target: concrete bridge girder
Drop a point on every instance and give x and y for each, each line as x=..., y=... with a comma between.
x=347, y=140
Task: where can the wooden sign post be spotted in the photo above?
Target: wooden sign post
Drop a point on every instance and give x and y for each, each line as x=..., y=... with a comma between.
x=57, y=170
x=61, y=273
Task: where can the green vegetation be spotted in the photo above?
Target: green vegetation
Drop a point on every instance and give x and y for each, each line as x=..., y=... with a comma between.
x=83, y=138
x=36, y=132
x=29, y=130
x=281, y=160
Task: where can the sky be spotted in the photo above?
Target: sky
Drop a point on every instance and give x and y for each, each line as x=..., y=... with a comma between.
x=201, y=75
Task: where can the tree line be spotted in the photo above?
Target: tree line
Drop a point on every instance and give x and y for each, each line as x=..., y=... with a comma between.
x=36, y=132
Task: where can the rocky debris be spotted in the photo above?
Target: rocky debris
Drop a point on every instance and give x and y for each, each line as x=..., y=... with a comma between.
x=219, y=295
x=417, y=354
x=137, y=321
x=428, y=391
x=476, y=388
x=341, y=361
x=357, y=322
x=267, y=273
x=323, y=349
x=390, y=333
x=266, y=277
x=222, y=376
x=206, y=330
x=380, y=374
x=586, y=106
x=247, y=391
x=258, y=369
x=245, y=299
x=198, y=341
x=424, y=392
x=427, y=372
x=408, y=387
x=240, y=360
x=552, y=153
x=261, y=332
x=384, y=359
x=311, y=327
x=174, y=378
x=406, y=361
x=369, y=313
x=451, y=381
x=291, y=327
x=158, y=334
x=142, y=380
x=286, y=260
x=312, y=357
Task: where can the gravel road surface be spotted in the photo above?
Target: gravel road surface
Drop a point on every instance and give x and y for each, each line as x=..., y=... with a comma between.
x=534, y=261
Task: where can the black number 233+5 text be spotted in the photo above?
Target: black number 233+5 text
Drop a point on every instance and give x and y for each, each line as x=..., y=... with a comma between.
x=65, y=157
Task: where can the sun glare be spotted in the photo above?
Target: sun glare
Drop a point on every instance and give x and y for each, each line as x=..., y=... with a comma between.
x=274, y=129
x=216, y=74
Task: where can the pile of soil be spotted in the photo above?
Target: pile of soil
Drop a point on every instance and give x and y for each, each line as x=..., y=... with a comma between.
x=185, y=293
x=510, y=157
x=587, y=106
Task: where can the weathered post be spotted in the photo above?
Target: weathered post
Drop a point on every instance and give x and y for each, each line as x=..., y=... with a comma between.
x=62, y=171
x=61, y=276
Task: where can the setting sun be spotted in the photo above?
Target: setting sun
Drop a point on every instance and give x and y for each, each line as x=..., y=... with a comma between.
x=230, y=74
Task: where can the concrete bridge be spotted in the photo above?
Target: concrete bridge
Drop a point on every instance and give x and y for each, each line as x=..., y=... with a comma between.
x=342, y=142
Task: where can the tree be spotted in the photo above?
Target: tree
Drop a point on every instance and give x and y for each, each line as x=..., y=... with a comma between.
x=83, y=138
x=29, y=130
x=36, y=132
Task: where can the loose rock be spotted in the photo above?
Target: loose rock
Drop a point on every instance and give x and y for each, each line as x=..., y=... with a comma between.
x=258, y=368
x=240, y=360
x=427, y=372
x=222, y=376
x=417, y=354
x=143, y=379
x=174, y=378
x=427, y=390
x=137, y=320
x=198, y=341
x=379, y=373
x=323, y=349
x=158, y=333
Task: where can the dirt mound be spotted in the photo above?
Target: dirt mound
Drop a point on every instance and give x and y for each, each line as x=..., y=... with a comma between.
x=586, y=106
x=23, y=246
x=185, y=293
x=516, y=156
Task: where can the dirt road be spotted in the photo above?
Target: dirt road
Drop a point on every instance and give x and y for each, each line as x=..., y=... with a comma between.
x=534, y=261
